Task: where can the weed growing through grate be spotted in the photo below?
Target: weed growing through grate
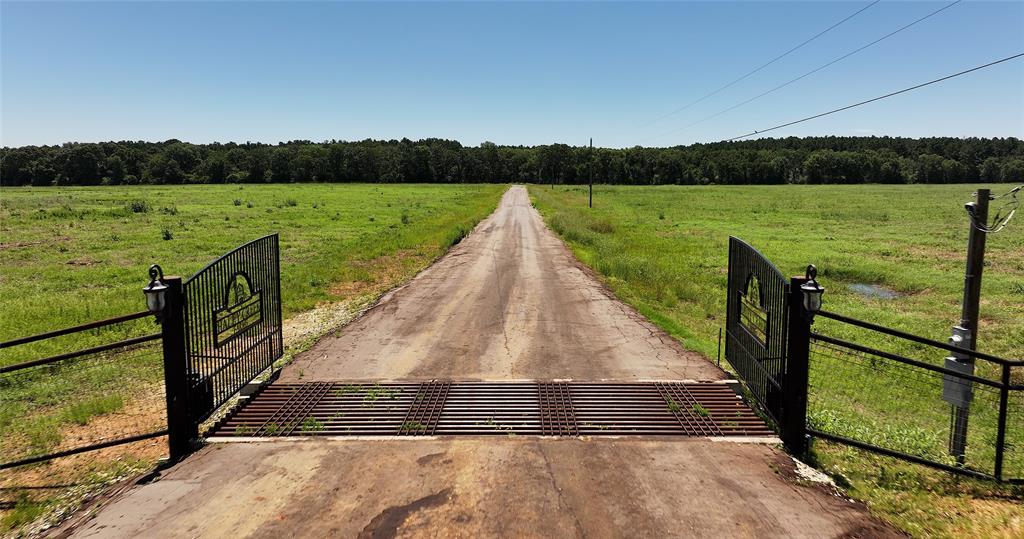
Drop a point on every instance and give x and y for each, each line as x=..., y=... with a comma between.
x=378, y=392
x=413, y=426
x=272, y=429
x=490, y=422
x=700, y=410
x=673, y=406
x=347, y=389
x=243, y=430
x=312, y=424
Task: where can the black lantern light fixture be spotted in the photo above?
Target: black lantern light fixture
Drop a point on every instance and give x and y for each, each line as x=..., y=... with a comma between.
x=155, y=290
x=812, y=291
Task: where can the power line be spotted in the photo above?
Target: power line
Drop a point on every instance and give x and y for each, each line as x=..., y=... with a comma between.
x=815, y=70
x=999, y=222
x=770, y=62
x=922, y=85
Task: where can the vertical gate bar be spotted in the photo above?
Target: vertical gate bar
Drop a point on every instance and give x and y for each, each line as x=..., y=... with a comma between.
x=1004, y=397
x=181, y=429
x=794, y=383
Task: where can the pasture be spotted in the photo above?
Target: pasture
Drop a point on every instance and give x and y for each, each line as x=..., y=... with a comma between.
x=73, y=255
x=893, y=255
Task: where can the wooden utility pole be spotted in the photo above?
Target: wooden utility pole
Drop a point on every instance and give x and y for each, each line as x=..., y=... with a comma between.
x=591, y=170
x=975, y=265
x=958, y=392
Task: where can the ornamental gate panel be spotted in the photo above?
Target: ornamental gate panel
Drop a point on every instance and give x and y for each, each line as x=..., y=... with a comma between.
x=757, y=324
x=232, y=312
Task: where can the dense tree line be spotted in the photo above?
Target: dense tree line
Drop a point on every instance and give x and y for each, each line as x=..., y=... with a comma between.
x=764, y=161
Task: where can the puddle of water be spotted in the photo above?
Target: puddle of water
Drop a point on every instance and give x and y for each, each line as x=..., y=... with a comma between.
x=874, y=291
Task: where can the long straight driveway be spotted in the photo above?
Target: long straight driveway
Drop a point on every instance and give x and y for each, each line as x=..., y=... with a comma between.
x=509, y=302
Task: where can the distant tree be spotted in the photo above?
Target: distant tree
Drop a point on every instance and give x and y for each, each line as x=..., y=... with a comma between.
x=989, y=171
x=82, y=164
x=114, y=170
x=1013, y=171
x=929, y=168
x=164, y=170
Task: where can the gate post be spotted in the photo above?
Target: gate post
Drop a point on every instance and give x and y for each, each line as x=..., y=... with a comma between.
x=794, y=390
x=181, y=430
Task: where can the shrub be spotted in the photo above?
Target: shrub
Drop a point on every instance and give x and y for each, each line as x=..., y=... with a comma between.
x=237, y=202
x=166, y=234
x=456, y=235
x=602, y=227
x=138, y=206
x=291, y=202
x=405, y=218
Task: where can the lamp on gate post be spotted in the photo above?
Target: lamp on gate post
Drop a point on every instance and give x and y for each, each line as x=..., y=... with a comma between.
x=812, y=292
x=155, y=291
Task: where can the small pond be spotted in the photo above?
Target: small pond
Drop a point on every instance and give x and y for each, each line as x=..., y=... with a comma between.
x=874, y=291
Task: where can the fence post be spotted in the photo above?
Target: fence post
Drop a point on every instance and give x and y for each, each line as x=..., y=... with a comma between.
x=1004, y=396
x=181, y=430
x=794, y=390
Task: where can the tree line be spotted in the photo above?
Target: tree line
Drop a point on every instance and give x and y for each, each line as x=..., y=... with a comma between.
x=813, y=160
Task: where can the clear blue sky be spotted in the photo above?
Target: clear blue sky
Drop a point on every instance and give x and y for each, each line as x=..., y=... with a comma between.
x=511, y=73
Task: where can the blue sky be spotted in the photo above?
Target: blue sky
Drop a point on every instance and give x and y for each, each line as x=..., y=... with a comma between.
x=510, y=73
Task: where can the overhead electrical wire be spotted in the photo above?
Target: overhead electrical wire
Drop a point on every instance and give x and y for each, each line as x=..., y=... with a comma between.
x=905, y=90
x=815, y=70
x=766, y=64
x=1000, y=221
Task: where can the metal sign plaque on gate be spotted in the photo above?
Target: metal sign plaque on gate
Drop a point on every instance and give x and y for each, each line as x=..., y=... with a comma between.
x=242, y=310
x=753, y=315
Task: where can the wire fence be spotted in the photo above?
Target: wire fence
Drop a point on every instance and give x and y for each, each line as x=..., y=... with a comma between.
x=63, y=406
x=899, y=407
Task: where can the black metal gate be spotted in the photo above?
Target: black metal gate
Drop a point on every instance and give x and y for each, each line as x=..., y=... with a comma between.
x=232, y=312
x=853, y=392
x=756, y=324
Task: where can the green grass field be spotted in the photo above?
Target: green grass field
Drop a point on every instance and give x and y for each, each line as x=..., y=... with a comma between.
x=73, y=255
x=664, y=250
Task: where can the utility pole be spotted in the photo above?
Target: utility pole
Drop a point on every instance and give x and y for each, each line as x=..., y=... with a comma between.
x=591, y=169
x=975, y=265
x=958, y=392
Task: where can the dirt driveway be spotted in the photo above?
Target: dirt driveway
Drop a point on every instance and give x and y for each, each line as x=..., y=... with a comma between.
x=509, y=302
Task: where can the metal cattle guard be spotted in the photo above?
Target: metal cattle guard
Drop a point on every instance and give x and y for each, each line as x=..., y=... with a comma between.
x=232, y=312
